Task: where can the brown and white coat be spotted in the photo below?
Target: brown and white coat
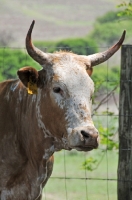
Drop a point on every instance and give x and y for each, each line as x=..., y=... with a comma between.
x=57, y=115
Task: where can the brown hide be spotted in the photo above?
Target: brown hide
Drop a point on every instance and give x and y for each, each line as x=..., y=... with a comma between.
x=22, y=167
x=57, y=116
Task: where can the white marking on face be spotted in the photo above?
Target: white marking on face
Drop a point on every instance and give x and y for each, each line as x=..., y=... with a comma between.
x=77, y=89
x=60, y=99
x=69, y=131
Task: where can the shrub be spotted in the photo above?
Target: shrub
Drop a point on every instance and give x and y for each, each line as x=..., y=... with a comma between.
x=108, y=29
x=106, y=79
x=110, y=16
x=11, y=60
x=81, y=46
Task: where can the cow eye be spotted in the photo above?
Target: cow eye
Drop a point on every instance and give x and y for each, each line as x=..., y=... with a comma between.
x=56, y=89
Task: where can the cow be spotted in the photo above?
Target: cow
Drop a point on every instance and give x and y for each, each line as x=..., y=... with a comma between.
x=42, y=112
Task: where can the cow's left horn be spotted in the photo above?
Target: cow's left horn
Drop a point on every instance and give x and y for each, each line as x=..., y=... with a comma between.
x=98, y=58
x=34, y=52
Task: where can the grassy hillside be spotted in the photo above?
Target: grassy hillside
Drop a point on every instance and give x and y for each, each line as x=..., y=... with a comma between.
x=54, y=19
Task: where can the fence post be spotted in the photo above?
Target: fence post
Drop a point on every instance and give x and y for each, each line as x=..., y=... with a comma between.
x=125, y=126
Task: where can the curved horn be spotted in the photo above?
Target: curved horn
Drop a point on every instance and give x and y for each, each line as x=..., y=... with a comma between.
x=34, y=52
x=98, y=58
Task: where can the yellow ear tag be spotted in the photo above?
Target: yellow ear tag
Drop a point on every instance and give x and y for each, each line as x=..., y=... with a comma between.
x=32, y=87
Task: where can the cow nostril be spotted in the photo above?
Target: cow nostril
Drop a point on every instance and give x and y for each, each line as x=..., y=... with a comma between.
x=85, y=134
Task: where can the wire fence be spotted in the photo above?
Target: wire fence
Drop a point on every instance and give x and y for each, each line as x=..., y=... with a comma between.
x=70, y=180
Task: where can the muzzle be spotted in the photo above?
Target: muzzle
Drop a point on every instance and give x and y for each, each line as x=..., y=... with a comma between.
x=83, y=138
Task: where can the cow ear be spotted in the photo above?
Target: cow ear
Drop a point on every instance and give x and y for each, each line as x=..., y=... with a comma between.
x=89, y=70
x=29, y=77
x=27, y=74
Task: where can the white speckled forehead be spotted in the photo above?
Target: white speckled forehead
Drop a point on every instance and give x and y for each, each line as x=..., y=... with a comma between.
x=73, y=74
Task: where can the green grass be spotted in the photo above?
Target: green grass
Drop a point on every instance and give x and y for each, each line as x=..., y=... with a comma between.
x=76, y=187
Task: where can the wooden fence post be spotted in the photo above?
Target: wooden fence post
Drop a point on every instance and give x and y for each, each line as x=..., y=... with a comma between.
x=125, y=126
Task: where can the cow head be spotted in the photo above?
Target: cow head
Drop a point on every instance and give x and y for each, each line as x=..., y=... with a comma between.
x=65, y=80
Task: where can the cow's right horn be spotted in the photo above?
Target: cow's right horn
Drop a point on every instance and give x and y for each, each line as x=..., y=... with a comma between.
x=34, y=52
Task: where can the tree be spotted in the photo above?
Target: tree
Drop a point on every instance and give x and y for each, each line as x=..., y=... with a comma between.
x=126, y=10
